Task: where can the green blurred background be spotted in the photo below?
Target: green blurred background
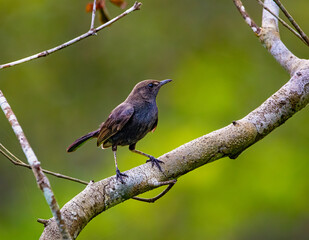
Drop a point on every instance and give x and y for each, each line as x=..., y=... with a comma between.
x=221, y=72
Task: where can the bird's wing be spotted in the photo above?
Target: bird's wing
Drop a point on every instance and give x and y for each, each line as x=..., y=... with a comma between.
x=154, y=127
x=115, y=122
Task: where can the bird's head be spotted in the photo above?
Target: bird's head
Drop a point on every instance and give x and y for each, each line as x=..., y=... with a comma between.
x=147, y=89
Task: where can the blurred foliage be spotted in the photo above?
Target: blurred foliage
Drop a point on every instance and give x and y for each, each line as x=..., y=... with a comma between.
x=221, y=73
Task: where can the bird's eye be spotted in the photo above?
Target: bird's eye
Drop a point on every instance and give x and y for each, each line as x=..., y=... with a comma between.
x=150, y=85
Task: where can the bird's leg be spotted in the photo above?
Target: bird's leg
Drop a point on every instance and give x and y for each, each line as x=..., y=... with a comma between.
x=151, y=159
x=119, y=175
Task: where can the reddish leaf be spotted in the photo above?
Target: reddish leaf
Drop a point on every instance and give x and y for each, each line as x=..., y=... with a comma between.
x=89, y=7
x=101, y=6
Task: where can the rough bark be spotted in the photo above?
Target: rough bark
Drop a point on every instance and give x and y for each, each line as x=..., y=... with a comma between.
x=229, y=141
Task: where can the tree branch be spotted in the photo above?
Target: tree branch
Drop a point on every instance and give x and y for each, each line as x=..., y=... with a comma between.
x=270, y=38
x=41, y=179
x=283, y=23
x=254, y=27
x=229, y=141
x=94, y=8
x=91, y=32
x=16, y=161
x=170, y=184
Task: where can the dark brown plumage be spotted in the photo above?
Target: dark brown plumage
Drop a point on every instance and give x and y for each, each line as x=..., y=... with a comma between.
x=129, y=122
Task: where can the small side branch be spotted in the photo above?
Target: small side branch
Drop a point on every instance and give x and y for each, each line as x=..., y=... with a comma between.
x=170, y=184
x=94, y=8
x=91, y=32
x=269, y=35
x=41, y=179
x=254, y=27
x=283, y=23
x=43, y=221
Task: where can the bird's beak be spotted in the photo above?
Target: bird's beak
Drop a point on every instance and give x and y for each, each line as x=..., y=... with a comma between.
x=165, y=81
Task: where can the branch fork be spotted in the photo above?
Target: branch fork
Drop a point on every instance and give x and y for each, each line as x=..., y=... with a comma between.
x=91, y=32
x=35, y=165
x=229, y=141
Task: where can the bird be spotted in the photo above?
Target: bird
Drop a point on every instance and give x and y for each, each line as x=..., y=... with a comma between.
x=128, y=123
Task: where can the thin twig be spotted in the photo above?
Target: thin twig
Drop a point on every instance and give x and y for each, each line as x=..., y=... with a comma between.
x=292, y=21
x=170, y=184
x=254, y=27
x=283, y=22
x=41, y=179
x=91, y=32
x=16, y=161
x=11, y=155
x=94, y=8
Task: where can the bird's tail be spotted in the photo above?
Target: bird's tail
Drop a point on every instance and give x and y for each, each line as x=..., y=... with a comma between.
x=80, y=141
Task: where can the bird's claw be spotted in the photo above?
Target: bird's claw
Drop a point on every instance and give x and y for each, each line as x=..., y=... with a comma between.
x=120, y=176
x=156, y=162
